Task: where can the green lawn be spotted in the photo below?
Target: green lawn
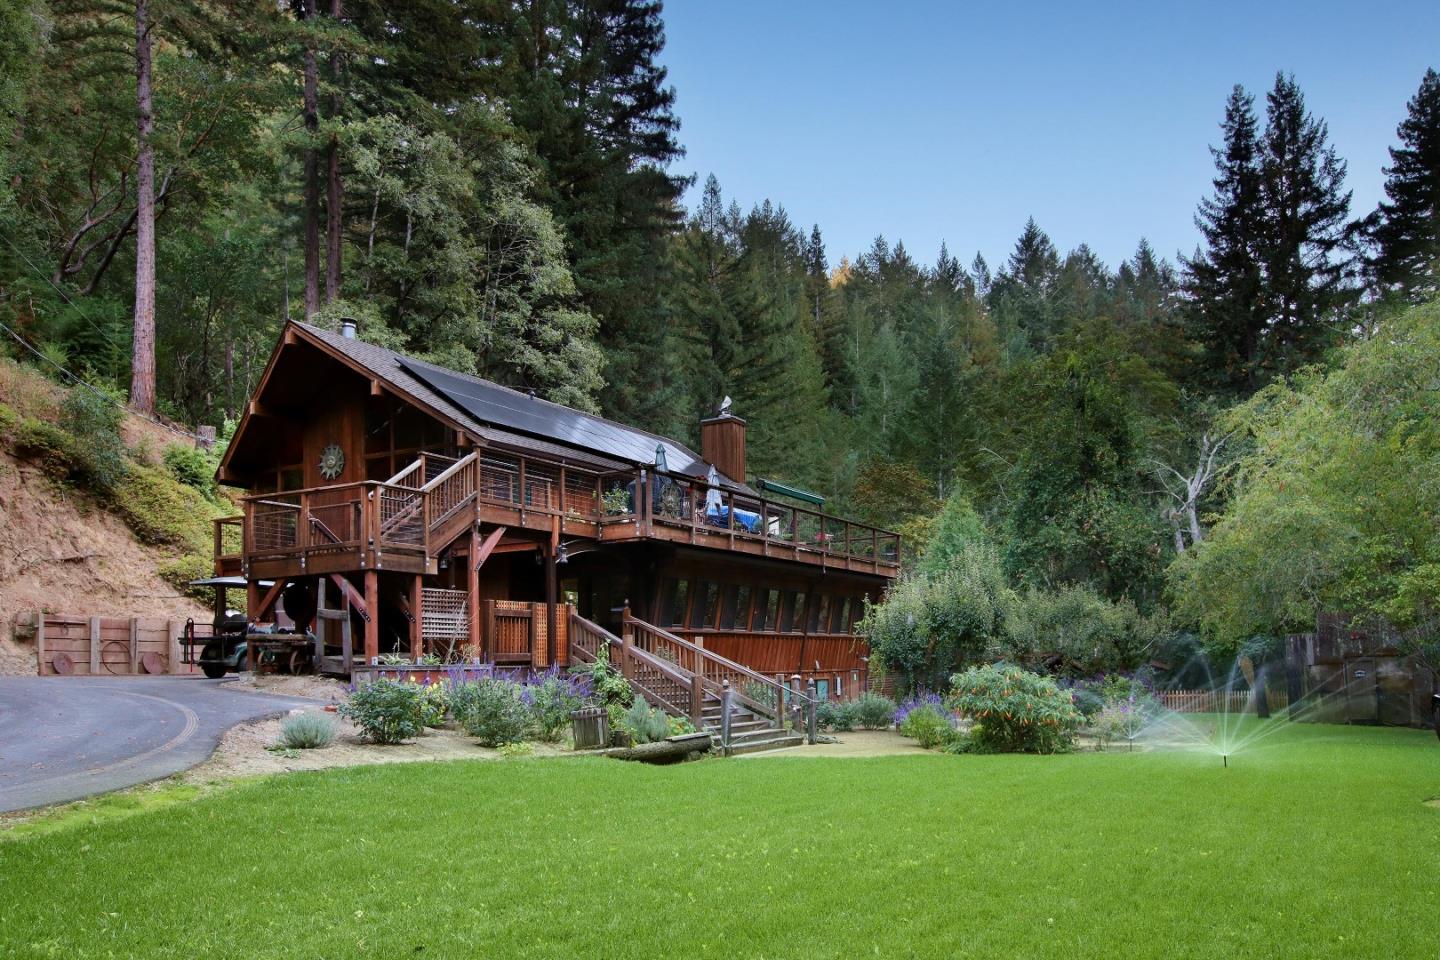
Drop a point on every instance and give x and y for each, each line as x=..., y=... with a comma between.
x=1315, y=843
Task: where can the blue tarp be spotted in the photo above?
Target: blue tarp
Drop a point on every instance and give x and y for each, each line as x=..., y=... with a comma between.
x=744, y=519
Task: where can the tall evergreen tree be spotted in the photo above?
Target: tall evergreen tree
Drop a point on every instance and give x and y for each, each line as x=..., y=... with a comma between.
x=1303, y=246
x=1224, y=283
x=1021, y=298
x=1406, y=227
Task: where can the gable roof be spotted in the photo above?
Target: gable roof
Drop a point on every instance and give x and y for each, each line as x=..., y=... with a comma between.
x=501, y=415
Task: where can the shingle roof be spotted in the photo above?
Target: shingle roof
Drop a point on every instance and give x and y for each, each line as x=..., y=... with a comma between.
x=508, y=417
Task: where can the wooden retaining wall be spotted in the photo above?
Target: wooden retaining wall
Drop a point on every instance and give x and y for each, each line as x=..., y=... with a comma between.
x=91, y=645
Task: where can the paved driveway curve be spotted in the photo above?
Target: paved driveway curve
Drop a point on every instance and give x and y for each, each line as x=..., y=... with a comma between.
x=63, y=738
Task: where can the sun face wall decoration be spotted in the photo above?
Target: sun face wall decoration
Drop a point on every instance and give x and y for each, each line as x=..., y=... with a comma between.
x=332, y=462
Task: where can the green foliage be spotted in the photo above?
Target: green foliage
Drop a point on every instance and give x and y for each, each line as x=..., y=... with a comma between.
x=608, y=683
x=1015, y=711
x=957, y=528
x=490, y=710
x=552, y=700
x=873, y=711
x=1329, y=509
x=193, y=467
x=929, y=726
x=679, y=726
x=307, y=731
x=386, y=711
x=837, y=715
x=645, y=724
x=434, y=704
x=1089, y=633
x=927, y=627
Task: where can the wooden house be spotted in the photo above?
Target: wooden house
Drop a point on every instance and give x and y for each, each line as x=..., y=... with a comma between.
x=425, y=511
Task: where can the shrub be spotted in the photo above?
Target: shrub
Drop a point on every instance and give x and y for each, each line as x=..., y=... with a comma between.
x=679, y=726
x=386, y=711
x=433, y=704
x=644, y=723
x=551, y=702
x=874, y=711
x=1089, y=632
x=307, y=731
x=98, y=456
x=608, y=685
x=1015, y=711
x=192, y=467
x=490, y=710
x=928, y=725
x=929, y=626
x=837, y=716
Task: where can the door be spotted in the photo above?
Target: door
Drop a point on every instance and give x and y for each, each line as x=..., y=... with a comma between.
x=1362, y=703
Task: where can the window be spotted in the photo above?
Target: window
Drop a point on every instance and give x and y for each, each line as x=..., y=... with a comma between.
x=838, y=611
x=705, y=610
x=797, y=622
x=820, y=613
x=740, y=615
x=672, y=603
x=766, y=607
x=822, y=689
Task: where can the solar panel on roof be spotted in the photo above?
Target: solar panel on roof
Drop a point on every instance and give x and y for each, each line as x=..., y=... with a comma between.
x=493, y=403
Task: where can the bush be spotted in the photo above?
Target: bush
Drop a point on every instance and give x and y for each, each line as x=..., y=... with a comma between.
x=551, y=702
x=433, y=704
x=874, y=711
x=1121, y=720
x=1015, y=711
x=490, y=710
x=386, y=711
x=98, y=457
x=928, y=627
x=644, y=723
x=1088, y=632
x=837, y=716
x=608, y=685
x=307, y=731
x=928, y=725
x=192, y=467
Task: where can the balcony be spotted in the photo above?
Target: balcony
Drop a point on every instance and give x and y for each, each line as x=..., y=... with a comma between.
x=405, y=522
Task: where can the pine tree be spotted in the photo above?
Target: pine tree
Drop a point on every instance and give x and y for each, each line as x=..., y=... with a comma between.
x=1406, y=227
x=1303, y=241
x=1224, y=283
x=1021, y=296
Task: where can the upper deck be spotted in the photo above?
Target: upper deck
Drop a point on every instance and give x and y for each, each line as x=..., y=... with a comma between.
x=406, y=522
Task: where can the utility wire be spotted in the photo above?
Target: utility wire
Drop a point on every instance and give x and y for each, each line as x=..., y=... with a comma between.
x=74, y=378
x=63, y=295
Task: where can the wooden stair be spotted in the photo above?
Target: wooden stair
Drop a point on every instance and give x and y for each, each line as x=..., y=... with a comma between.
x=685, y=680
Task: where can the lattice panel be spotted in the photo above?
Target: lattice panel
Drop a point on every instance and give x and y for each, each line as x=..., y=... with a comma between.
x=445, y=615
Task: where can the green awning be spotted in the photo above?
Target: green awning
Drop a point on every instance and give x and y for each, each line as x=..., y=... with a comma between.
x=770, y=486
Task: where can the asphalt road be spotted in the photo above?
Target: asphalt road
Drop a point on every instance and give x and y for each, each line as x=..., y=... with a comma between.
x=63, y=738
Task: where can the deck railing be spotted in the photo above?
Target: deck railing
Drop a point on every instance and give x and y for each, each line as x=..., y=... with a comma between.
x=422, y=505
x=677, y=501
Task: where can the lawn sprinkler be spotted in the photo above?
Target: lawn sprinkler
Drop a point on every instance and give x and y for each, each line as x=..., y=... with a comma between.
x=1225, y=760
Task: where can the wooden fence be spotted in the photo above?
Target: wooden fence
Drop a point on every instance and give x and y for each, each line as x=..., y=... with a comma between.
x=107, y=646
x=1218, y=701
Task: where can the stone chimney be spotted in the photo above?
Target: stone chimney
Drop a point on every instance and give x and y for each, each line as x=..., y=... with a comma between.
x=722, y=442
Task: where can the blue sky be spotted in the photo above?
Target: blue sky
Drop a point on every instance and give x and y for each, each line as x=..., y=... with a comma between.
x=931, y=121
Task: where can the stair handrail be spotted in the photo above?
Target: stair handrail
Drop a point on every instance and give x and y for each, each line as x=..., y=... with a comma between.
x=780, y=692
x=675, y=673
x=449, y=471
x=399, y=479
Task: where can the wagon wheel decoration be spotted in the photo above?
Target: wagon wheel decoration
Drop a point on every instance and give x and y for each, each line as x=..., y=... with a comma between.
x=669, y=498
x=332, y=462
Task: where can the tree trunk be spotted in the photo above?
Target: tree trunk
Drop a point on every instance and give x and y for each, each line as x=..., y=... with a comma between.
x=334, y=193
x=312, y=174
x=142, y=358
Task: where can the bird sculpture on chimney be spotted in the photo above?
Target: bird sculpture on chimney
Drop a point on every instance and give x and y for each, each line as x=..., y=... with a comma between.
x=725, y=407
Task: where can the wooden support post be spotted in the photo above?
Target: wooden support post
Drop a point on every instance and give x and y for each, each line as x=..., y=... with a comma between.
x=627, y=639
x=252, y=601
x=172, y=636
x=372, y=625
x=417, y=636
x=725, y=698
x=134, y=654
x=472, y=588
x=40, y=642
x=697, y=699
x=94, y=645
x=552, y=590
